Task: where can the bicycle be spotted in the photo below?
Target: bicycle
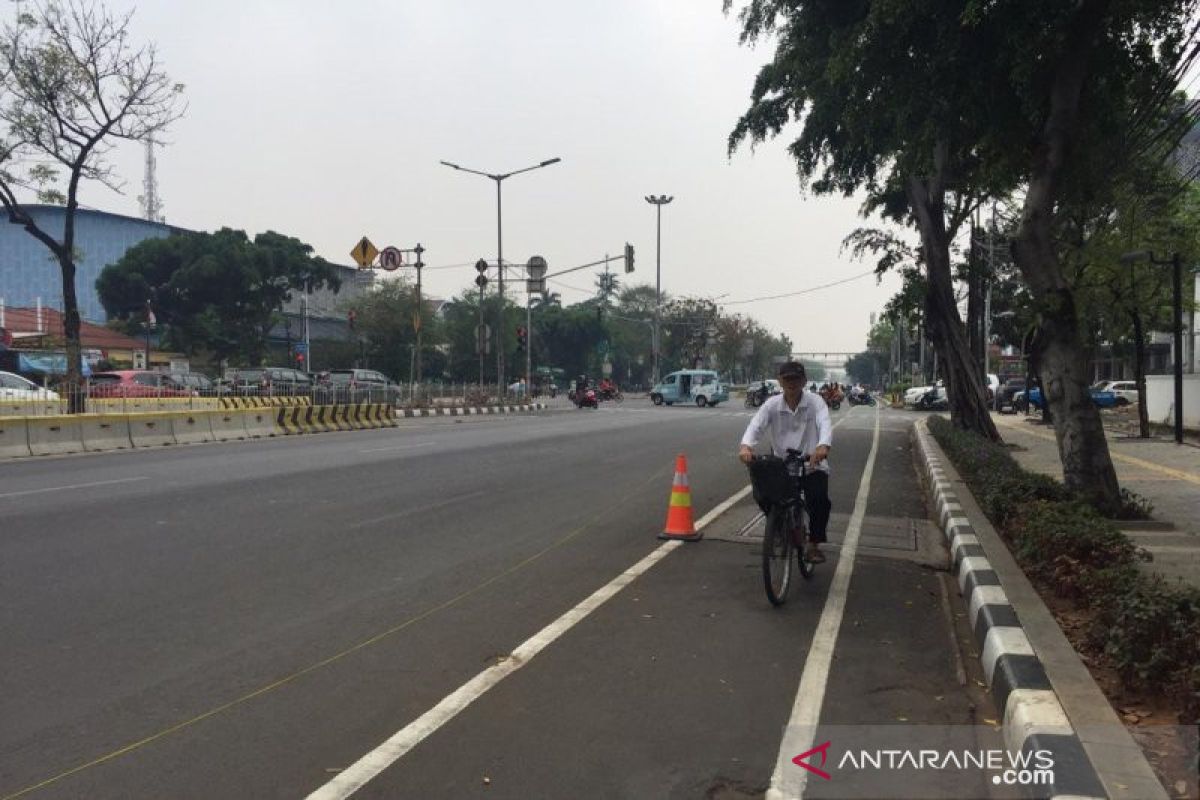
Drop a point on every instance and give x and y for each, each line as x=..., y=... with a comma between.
x=777, y=492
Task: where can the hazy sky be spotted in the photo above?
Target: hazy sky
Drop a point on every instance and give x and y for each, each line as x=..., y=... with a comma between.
x=326, y=121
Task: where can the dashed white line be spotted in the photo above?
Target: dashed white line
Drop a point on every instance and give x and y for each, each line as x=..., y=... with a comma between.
x=358, y=774
x=73, y=486
x=398, y=447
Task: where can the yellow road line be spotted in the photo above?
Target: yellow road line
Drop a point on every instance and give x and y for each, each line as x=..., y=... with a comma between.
x=1174, y=473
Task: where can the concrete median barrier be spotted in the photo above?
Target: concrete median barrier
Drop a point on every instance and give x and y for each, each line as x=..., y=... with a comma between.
x=103, y=432
x=56, y=435
x=191, y=427
x=14, y=438
x=150, y=429
x=29, y=408
x=287, y=421
x=260, y=423
x=227, y=425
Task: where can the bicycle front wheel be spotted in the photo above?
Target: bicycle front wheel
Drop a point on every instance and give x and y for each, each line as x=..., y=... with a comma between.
x=806, y=566
x=777, y=556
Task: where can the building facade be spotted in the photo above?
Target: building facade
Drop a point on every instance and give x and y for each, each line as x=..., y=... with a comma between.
x=30, y=275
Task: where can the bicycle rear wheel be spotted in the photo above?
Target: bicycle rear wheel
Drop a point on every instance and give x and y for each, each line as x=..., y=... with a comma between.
x=777, y=556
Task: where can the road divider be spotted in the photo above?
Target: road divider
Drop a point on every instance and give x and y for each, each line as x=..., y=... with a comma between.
x=14, y=437
x=49, y=436
x=192, y=427
x=150, y=429
x=103, y=432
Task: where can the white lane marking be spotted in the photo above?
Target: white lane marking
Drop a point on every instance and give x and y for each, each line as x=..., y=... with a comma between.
x=414, y=510
x=398, y=447
x=360, y=772
x=74, y=486
x=789, y=780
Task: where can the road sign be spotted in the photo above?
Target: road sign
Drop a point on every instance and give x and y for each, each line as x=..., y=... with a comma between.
x=391, y=258
x=481, y=266
x=364, y=253
x=300, y=347
x=481, y=280
x=483, y=339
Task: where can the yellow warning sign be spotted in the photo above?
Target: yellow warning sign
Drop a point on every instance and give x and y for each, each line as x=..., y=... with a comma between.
x=364, y=253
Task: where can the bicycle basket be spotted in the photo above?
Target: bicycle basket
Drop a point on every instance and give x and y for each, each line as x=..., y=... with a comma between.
x=772, y=484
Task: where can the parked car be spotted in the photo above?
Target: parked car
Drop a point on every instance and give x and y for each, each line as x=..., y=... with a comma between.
x=700, y=386
x=14, y=387
x=1007, y=401
x=198, y=384
x=269, y=381
x=913, y=395
x=133, y=383
x=1126, y=391
x=1103, y=399
x=361, y=386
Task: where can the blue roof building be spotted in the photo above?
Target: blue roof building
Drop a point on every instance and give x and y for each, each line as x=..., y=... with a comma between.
x=29, y=271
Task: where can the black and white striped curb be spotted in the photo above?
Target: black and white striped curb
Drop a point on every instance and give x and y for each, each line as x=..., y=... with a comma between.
x=456, y=411
x=1034, y=718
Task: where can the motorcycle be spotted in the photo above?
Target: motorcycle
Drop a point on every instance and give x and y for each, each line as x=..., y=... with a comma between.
x=832, y=399
x=863, y=399
x=756, y=398
x=611, y=394
x=587, y=399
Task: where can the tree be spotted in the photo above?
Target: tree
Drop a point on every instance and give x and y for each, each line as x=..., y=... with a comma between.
x=861, y=78
x=213, y=292
x=384, y=324
x=71, y=84
x=689, y=327
x=945, y=103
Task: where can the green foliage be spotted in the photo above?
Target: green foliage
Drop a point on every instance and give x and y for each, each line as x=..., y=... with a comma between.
x=212, y=292
x=1148, y=628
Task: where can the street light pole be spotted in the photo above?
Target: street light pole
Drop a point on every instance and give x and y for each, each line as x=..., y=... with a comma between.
x=658, y=202
x=498, y=178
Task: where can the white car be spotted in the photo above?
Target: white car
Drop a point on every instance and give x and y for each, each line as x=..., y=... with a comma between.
x=916, y=393
x=1126, y=391
x=14, y=387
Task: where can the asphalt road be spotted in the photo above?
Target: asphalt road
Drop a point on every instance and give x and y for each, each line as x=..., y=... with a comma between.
x=251, y=619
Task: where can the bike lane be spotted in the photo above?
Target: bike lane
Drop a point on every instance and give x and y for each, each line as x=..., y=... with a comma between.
x=682, y=685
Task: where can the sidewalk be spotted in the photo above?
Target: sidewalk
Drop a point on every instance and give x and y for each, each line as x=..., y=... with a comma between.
x=1166, y=474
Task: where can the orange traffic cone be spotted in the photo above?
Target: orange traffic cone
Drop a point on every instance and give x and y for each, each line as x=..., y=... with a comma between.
x=679, y=512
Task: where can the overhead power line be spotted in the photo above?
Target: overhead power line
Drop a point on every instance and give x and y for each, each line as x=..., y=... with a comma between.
x=800, y=292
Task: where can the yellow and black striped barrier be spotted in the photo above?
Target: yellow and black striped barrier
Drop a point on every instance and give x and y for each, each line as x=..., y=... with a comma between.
x=294, y=420
x=265, y=402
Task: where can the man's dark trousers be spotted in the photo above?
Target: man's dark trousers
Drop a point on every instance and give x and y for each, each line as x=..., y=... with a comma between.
x=816, y=498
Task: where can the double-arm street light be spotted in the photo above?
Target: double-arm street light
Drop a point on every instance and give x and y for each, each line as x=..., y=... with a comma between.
x=658, y=202
x=498, y=178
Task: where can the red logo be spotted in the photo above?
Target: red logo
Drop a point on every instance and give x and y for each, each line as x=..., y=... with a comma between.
x=823, y=749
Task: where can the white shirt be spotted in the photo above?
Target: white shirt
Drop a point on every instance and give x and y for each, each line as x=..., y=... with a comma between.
x=804, y=429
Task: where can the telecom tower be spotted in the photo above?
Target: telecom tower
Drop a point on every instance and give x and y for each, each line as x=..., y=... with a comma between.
x=151, y=204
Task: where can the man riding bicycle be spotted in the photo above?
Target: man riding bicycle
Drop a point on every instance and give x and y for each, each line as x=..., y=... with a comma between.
x=798, y=420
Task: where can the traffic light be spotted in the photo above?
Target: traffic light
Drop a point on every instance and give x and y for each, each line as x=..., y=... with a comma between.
x=628, y=257
x=599, y=313
x=522, y=337
x=300, y=360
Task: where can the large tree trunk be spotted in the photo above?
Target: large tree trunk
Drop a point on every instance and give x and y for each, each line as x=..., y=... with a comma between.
x=1082, y=446
x=73, y=386
x=964, y=386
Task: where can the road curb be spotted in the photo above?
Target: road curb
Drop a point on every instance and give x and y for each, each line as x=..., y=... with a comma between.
x=1049, y=699
x=467, y=411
